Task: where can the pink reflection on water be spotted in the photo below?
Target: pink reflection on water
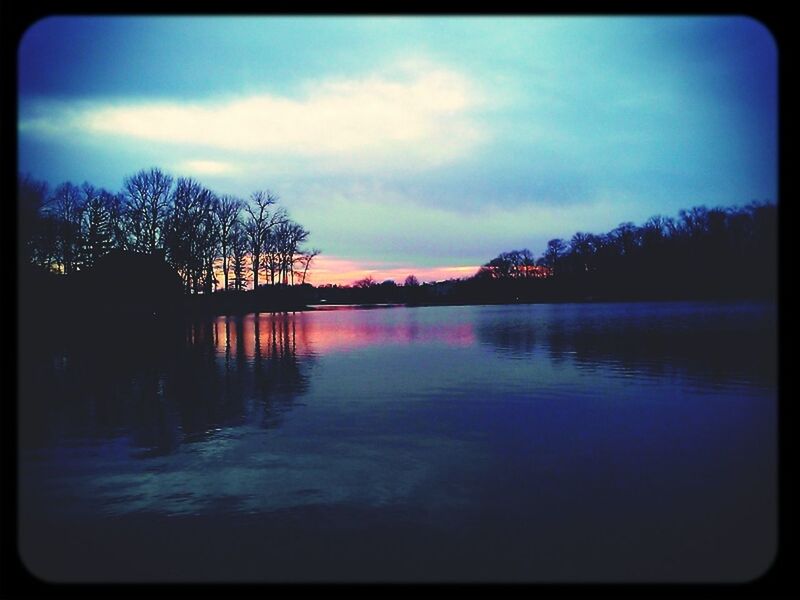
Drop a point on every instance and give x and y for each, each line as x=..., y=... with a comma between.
x=351, y=336
x=268, y=335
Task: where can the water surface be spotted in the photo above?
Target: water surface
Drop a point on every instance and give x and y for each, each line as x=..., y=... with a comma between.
x=591, y=442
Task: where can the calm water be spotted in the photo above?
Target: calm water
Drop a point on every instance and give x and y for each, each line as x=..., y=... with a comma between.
x=601, y=442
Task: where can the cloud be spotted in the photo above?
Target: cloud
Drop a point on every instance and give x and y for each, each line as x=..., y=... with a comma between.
x=390, y=225
x=206, y=167
x=413, y=112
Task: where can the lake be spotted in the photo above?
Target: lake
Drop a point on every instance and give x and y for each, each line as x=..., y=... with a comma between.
x=536, y=443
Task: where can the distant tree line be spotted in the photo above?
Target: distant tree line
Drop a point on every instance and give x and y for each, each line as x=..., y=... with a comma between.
x=718, y=252
x=198, y=232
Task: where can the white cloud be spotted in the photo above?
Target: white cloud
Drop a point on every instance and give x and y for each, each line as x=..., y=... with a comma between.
x=413, y=113
x=206, y=167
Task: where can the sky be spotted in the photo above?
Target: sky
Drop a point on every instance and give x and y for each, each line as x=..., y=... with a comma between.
x=423, y=145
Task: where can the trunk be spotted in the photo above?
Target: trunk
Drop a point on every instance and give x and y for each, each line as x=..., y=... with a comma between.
x=255, y=271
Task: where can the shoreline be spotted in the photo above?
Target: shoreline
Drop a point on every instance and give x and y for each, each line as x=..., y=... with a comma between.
x=275, y=309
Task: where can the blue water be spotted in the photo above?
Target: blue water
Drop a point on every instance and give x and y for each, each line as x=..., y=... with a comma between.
x=590, y=442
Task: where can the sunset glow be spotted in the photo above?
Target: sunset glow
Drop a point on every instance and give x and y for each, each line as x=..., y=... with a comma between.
x=332, y=270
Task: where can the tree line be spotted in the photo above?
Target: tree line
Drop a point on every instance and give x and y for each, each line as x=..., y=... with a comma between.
x=715, y=253
x=722, y=251
x=197, y=231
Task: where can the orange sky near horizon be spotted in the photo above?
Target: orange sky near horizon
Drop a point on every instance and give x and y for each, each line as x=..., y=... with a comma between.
x=341, y=271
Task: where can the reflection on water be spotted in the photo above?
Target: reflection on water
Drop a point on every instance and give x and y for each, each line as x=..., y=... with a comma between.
x=335, y=330
x=170, y=388
x=534, y=442
x=717, y=343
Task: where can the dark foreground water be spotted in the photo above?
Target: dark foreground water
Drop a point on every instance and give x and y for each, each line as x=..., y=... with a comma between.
x=599, y=442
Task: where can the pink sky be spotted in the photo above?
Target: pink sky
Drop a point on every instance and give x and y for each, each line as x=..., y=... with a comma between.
x=341, y=271
x=330, y=269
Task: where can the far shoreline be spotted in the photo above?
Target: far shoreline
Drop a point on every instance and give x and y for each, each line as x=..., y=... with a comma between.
x=329, y=307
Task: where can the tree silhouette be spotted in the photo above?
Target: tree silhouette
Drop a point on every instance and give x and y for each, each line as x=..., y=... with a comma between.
x=148, y=202
x=227, y=213
x=289, y=235
x=96, y=234
x=555, y=251
x=704, y=253
x=366, y=282
x=260, y=222
x=67, y=207
x=184, y=223
x=190, y=232
x=118, y=219
x=305, y=261
x=238, y=244
x=516, y=264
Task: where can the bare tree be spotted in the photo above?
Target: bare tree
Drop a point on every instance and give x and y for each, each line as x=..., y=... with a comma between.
x=271, y=254
x=305, y=262
x=147, y=196
x=582, y=248
x=190, y=233
x=625, y=238
x=209, y=243
x=187, y=222
x=555, y=251
x=367, y=282
x=516, y=264
x=259, y=223
x=289, y=236
x=118, y=218
x=66, y=207
x=238, y=245
x=524, y=263
x=411, y=281
x=96, y=235
x=227, y=213
x=298, y=235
